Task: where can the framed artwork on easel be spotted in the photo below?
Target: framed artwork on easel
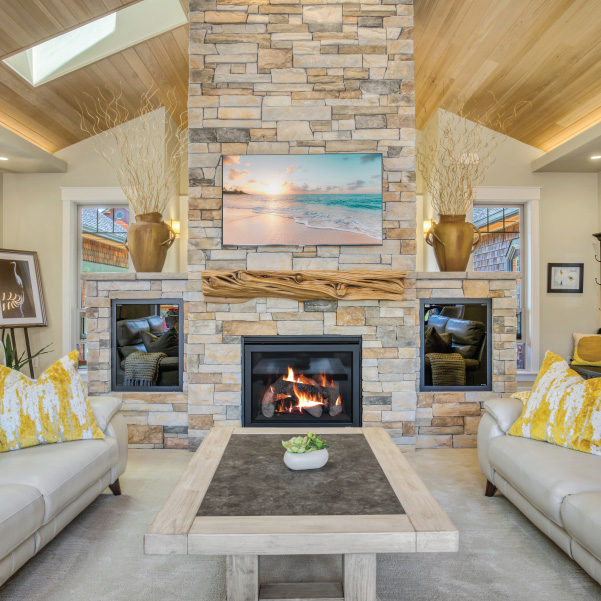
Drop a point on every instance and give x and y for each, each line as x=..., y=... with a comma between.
x=21, y=297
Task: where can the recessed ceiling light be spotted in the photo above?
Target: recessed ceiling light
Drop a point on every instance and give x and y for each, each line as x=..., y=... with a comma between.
x=596, y=156
x=3, y=159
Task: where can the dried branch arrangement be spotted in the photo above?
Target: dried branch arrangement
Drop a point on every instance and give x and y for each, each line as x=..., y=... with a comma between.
x=146, y=151
x=454, y=156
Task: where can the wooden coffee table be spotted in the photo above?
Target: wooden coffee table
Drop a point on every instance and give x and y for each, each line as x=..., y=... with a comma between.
x=237, y=498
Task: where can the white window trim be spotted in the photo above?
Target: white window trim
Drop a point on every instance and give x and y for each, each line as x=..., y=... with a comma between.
x=530, y=198
x=72, y=198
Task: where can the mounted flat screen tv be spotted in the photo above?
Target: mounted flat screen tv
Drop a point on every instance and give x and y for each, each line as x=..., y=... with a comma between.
x=323, y=199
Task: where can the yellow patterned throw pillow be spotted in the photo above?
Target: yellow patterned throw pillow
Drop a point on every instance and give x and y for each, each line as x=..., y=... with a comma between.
x=522, y=395
x=52, y=409
x=562, y=409
x=587, y=349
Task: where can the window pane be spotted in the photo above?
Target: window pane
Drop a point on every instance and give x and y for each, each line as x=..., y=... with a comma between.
x=521, y=352
x=499, y=248
x=103, y=233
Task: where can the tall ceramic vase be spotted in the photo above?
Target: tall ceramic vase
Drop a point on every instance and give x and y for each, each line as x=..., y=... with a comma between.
x=148, y=241
x=453, y=241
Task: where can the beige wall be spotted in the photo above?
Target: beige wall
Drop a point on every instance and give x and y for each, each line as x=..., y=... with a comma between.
x=569, y=215
x=32, y=220
x=32, y=215
x=1, y=212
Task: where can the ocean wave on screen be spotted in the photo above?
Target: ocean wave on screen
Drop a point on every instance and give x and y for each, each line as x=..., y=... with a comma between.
x=357, y=213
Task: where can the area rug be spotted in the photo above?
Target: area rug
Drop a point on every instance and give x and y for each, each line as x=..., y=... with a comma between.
x=502, y=556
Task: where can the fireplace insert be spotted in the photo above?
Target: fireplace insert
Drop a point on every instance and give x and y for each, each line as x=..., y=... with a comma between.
x=308, y=381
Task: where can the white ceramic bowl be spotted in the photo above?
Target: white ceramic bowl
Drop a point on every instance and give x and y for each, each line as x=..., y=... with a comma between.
x=306, y=461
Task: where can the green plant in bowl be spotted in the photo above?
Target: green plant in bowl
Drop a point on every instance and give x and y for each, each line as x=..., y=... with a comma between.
x=305, y=444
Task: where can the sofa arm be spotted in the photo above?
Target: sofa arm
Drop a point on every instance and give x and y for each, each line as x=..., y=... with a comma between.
x=104, y=408
x=117, y=429
x=505, y=412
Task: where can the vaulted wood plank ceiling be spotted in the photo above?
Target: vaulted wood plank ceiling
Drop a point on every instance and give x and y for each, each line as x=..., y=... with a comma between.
x=48, y=115
x=545, y=51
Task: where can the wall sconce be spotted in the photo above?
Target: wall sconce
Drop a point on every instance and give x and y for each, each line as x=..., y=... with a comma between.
x=427, y=226
x=176, y=227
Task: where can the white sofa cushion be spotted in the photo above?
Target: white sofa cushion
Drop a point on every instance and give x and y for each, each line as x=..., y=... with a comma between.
x=60, y=471
x=21, y=514
x=104, y=408
x=582, y=519
x=504, y=411
x=544, y=473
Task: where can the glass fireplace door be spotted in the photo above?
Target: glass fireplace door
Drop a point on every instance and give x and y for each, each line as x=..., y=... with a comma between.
x=302, y=381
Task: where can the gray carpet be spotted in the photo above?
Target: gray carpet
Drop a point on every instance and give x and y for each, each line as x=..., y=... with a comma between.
x=502, y=556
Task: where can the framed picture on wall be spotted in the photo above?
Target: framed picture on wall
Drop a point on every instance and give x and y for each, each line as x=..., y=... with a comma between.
x=21, y=298
x=565, y=277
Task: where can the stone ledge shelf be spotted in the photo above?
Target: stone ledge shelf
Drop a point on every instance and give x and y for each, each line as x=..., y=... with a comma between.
x=464, y=275
x=131, y=276
x=242, y=285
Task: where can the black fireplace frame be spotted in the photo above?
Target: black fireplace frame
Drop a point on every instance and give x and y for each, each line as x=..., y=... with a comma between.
x=114, y=354
x=303, y=343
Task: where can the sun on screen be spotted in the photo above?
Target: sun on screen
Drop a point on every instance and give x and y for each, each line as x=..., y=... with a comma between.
x=274, y=188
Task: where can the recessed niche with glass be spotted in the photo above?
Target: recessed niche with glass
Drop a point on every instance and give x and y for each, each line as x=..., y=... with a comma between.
x=147, y=345
x=456, y=344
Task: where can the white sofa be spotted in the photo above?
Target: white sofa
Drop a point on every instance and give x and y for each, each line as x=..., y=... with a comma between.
x=43, y=488
x=557, y=489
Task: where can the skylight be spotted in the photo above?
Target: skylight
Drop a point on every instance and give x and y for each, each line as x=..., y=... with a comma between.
x=97, y=40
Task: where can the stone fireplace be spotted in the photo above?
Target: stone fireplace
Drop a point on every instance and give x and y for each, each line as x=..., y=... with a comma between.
x=294, y=78
x=310, y=381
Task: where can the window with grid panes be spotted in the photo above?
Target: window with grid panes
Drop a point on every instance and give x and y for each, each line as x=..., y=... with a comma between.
x=500, y=250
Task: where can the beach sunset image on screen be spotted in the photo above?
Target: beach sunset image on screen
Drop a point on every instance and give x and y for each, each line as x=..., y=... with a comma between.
x=302, y=199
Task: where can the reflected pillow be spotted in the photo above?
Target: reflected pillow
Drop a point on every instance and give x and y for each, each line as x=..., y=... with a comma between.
x=587, y=349
x=434, y=342
x=168, y=343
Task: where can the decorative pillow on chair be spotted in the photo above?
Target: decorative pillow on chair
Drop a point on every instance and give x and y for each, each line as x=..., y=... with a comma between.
x=52, y=409
x=168, y=343
x=435, y=342
x=562, y=409
x=587, y=349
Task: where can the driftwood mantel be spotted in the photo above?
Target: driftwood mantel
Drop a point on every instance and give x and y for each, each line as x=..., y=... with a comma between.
x=240, y=285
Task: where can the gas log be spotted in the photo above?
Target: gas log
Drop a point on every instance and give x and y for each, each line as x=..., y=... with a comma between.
x=282, y=389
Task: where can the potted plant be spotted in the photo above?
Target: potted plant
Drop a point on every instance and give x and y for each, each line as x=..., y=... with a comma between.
x=305, y=452
x=456, y=150
x=11, y=359
x=146, y=148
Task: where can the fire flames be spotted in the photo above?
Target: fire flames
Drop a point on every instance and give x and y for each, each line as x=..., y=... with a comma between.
x=306, y=400
x=308, y=394
x=300, y=379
